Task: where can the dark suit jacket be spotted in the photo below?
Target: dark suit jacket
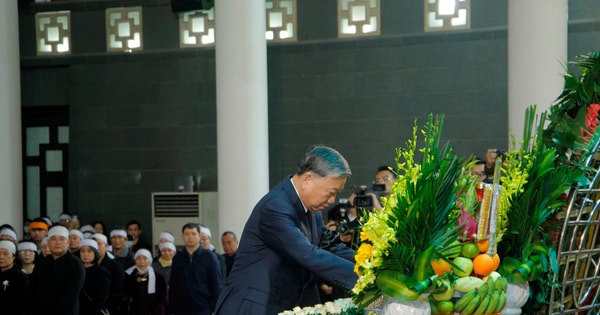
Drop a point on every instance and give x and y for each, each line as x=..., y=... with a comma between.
x=56, y=284
x=196, y=281
x=278, y=258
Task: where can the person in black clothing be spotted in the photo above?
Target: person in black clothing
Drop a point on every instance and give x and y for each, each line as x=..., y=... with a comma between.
x=38, y=229
x=134, y=233
x=97, y=280
x=205, y=241
x=57, y=279
x=146, y=289
x=27, y=251
x=75, y=238
x=7, y=233
x=196, y=278
x=123, y=255
x=117, y=275
x=13, y=282
x=230, y=246
x=99, y=227
x=162, y=265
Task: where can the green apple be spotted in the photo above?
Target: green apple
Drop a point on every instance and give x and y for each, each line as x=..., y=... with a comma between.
x=465, y=266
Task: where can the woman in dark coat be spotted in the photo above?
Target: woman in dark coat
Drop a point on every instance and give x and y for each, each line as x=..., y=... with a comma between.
x=162, y=265
x=97, y=280
x=13, y=282
x=27, y=251
x=146, y=289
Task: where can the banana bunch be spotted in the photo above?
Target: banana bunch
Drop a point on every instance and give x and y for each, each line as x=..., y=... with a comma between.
x=489, y=298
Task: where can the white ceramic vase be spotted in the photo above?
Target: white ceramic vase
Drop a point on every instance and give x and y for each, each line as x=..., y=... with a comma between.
x=516, y=297
x=392, y=306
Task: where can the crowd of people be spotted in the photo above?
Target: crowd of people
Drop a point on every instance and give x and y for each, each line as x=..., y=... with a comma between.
x=64, y=268
x=287, y=257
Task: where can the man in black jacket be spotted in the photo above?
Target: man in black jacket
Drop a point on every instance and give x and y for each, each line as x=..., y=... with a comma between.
x=58, y=278
x=196, y=278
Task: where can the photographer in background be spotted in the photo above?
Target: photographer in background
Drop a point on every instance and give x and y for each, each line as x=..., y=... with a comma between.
x=338, y=232
x=366, y=198
x=479, y=169
x=490, y=163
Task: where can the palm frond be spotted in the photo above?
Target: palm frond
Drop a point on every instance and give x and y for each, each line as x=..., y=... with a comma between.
x=567, y=116
x=421, y=217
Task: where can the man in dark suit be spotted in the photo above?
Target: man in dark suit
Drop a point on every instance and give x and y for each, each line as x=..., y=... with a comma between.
x=57, y=279
x=278, y=258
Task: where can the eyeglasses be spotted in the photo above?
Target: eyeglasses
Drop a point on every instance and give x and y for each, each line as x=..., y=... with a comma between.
x=380, y=180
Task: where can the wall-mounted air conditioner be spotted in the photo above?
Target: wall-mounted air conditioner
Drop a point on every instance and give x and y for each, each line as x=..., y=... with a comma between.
x=171, y=210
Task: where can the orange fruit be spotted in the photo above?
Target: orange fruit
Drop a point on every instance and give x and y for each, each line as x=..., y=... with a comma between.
x=483, y=245
x=496, y=261
x=440, y=266
x=483, y=265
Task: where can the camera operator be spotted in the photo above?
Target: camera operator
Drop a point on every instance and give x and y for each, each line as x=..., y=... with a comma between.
x=340, y=232
x=479, y=169
x=371, y=198
x=490, y=162
x=340, y=229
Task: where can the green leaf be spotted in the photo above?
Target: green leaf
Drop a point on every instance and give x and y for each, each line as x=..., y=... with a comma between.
x=423, y=265
x=553, y=260
x=396, y=285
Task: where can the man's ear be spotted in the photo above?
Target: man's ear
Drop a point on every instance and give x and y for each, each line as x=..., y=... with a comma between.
x=307, y=176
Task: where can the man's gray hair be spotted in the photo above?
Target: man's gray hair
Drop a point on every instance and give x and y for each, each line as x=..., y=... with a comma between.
x=325, y=162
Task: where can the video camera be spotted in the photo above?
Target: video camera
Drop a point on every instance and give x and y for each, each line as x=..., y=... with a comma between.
x=362, y=200
x=343, y=223
x=339, y=214
x=500, y=154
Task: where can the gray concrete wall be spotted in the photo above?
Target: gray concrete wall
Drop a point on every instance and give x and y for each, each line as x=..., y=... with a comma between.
x=138, y=119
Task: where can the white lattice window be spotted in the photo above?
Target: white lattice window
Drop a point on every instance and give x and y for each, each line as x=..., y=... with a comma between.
x=359, y=18
x=281, y=20
x=197, y=28
x=124, y=29
x=443, y=15
x=53, y=33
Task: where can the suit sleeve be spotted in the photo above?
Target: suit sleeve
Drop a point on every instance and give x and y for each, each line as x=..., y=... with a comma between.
x=280, y=228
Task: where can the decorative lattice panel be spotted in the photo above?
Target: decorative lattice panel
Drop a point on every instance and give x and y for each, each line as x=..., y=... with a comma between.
x=444, y=15
x=124, y=29
x=358, y=18
x=281, y=20
x=53, y=33
x=197, y=28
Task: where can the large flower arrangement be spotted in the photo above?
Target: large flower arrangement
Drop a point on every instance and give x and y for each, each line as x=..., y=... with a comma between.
x=573, y=119
x=419, y=221
x=551, y=160
x=417, y=224
x=526, y=247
